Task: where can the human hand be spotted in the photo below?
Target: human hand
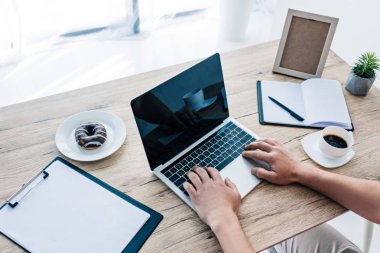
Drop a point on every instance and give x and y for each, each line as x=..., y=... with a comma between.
x=214, y=200
x=285, y=168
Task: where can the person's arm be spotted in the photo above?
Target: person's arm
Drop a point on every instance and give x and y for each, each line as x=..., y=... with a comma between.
x=359, y=195
x=217, y=204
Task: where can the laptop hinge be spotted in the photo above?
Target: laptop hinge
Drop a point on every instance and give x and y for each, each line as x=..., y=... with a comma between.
x=163, y=166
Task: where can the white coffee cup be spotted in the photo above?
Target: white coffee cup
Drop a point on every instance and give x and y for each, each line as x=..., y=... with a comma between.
x=330, y=150
x=194, y=100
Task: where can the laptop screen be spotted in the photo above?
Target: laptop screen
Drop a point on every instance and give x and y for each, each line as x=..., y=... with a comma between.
x=178, y=112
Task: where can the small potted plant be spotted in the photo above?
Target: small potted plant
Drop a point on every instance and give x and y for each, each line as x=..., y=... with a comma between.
x=363, y=74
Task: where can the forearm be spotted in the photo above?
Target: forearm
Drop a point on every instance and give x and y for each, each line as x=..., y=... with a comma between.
x=231, y=235
x=359, y=195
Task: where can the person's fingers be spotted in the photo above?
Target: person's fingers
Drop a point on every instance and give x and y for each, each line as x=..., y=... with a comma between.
x=197, y=115
x=185, y=118
x=259, y=145
x=231, y=184
x=201, y=173
x=177, y=122
x=258, y=154
x=214, y=173
x=263, y=174
x=190, y=189
x=271, y=141
x=191, y=116
x=195, y=180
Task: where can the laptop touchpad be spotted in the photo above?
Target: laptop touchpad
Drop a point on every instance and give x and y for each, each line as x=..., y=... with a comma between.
x=239, y=171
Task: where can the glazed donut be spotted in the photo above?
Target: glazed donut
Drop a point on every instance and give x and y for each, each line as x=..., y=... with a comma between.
x=90, y=135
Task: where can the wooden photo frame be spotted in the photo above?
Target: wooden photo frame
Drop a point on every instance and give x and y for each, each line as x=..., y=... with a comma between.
x=305, y=44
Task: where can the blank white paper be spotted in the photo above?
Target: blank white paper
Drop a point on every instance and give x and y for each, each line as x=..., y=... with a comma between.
x=325, y=103
x=68, y=212
x=290, y=95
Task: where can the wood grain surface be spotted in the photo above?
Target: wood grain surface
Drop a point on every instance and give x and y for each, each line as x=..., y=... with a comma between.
x=269, y=214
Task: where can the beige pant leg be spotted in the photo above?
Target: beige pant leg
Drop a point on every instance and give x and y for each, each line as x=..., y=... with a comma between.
x=321, y=239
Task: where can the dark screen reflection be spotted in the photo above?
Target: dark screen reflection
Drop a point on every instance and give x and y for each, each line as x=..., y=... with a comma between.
x=178, y=112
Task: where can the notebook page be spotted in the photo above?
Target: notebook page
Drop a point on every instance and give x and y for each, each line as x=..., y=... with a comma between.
x=289, y=94
x=68, y=212
x=325, y=103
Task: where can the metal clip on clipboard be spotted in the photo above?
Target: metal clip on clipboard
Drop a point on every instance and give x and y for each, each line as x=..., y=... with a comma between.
x=27, y=188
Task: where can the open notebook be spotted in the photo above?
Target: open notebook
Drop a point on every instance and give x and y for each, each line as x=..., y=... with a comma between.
x=319, y=101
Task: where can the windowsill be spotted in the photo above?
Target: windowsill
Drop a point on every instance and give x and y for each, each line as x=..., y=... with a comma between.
x=90, y=62
x=86, y=63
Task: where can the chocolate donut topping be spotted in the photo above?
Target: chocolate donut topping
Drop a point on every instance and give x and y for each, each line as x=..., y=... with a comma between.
x=90, y=135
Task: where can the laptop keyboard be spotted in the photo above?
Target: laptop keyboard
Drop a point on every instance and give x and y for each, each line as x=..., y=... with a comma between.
x=217, y=151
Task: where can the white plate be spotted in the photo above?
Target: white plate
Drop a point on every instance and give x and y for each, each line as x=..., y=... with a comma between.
x=65, y=138
x=310, y=145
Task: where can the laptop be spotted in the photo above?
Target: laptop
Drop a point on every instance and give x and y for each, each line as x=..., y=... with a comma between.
x=185, y=122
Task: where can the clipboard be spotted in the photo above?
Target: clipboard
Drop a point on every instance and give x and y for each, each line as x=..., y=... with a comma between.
x=152, y=220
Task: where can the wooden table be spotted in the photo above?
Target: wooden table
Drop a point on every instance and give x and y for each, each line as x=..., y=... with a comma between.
x=269, y=214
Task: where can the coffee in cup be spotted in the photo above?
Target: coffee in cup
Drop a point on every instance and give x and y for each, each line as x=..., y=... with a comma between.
x=335, y=141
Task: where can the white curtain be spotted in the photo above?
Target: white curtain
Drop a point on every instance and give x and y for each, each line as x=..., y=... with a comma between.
x=29, y=26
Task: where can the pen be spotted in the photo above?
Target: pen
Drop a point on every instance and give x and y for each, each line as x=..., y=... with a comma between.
x=293, y=114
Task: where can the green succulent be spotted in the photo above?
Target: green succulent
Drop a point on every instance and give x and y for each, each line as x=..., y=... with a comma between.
x=366, y=65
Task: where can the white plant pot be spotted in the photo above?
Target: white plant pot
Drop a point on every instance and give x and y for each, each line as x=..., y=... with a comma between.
x=234, y=18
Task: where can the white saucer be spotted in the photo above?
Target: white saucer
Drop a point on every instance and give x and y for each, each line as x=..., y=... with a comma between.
x=65, y=139
x=209, y=102
x=310, y=145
